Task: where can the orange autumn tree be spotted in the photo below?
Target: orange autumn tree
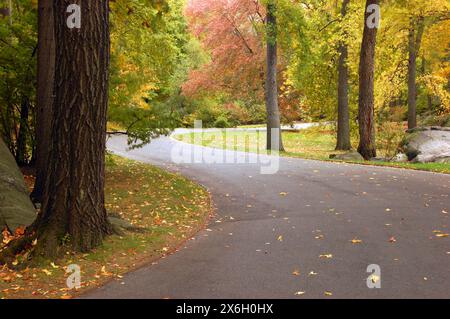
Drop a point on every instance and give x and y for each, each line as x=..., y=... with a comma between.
x=233, y=34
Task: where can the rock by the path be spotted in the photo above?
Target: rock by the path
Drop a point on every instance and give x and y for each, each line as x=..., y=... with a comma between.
x=425, y=145
x=16, y=208
x=400, y=158
x=119, y=225
x=350, y=156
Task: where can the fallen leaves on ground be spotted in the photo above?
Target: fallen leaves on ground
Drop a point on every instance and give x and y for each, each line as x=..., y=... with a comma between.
x=440, y=234
x=170, y=206
x=374, y=279
x=7, y=237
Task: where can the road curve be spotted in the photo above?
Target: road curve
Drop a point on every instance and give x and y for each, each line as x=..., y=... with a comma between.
x=276, y=235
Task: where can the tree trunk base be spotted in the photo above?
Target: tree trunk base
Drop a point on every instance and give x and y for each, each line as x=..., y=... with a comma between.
x=343, y=147
x=367, y=154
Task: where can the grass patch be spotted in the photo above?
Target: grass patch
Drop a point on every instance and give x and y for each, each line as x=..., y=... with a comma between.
x=170, y=208
x=316, y=143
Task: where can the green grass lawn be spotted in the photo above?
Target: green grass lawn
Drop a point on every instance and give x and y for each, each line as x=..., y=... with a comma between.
x=316, y=143
x=169, y=208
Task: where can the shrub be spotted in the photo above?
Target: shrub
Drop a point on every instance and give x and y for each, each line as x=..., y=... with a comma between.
x=390, y=136
x=222, y=122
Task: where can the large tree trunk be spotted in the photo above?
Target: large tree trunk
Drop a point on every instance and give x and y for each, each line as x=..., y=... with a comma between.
x=367, y=147
x=45, y=80
x=413, y=49
x=21, y=149
x=273, y=112
x=73, y=214
x=343, y=126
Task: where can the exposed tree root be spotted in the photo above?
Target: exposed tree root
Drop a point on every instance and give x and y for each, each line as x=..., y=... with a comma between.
x=14, y=248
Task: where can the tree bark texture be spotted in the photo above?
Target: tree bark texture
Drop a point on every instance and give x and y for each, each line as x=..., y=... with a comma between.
x=273, y=112
x=367, y=147
x=414, y=40
x=343, y=126
x=73, y=214
x=45, y=85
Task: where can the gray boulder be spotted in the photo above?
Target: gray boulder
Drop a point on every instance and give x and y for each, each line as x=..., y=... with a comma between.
x=425, y=145
x=349, y=156
x=16, y=208
x=400, y=158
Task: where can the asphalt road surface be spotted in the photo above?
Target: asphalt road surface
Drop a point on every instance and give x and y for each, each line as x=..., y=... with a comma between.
x=309, y=231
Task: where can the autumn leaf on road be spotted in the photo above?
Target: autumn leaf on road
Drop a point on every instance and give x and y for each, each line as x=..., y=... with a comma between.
x=374, y=279
x=327, y=256
x=356, y=241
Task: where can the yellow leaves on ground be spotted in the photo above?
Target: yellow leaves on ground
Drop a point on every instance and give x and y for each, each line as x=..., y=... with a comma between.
x=7, y=237
x=171, y=207
x=440, y=234
x=104, y=272
x=326, y=256
x=296, y=272
x=356, y=241
x=374, y=279
x=47, y=272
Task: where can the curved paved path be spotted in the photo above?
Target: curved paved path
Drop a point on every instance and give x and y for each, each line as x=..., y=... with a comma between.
x=268, y=226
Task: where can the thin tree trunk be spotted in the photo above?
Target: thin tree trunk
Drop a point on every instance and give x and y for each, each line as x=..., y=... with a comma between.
x=273, y=112
x=45, y=80
x=343, y=127
x=414, y=41
x=21, y=149
x=73, y=214
x=367, y=147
